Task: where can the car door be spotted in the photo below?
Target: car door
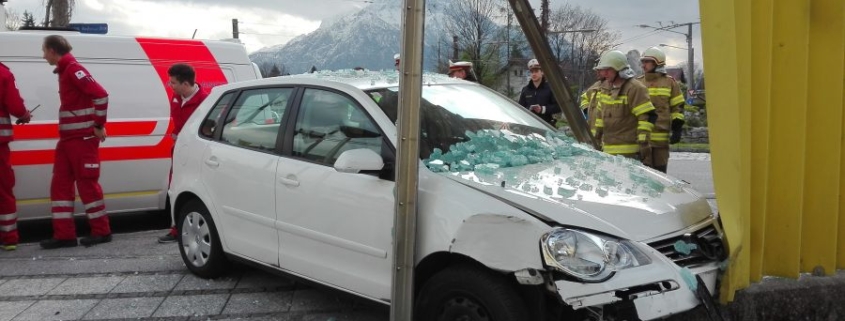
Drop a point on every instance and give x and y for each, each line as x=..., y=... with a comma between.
x=240, y=169
x=334, y=227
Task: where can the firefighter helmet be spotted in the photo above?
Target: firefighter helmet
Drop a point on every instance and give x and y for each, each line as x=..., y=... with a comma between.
x=654, y=54
x=614, y=59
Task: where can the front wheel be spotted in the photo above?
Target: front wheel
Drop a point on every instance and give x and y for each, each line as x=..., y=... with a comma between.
x=466, y=293
x=199, y=242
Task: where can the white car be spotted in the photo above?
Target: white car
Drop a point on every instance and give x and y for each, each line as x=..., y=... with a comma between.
x=515, y=221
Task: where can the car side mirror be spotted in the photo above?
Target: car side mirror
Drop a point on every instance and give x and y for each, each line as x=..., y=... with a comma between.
x=358, y=160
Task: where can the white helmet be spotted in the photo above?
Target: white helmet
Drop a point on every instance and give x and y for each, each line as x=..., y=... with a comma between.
x=614, y=59
x=654, y=54
x=396, y=57
x=533, y=63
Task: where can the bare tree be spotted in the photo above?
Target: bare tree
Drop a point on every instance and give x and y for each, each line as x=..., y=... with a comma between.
x=479, y=36
x=578, y=36
x=13, y=20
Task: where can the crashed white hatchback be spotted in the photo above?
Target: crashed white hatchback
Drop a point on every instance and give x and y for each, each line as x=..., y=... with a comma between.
x=516, y=221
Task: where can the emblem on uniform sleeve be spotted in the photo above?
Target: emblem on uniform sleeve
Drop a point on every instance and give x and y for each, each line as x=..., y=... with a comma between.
x=80, y=74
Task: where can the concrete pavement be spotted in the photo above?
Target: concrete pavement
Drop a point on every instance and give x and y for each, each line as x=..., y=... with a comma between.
x=134, y=277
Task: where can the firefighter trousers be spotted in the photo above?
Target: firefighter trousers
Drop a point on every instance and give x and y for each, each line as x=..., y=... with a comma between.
x=77, y=162
x=8, y=208
x=657, y=158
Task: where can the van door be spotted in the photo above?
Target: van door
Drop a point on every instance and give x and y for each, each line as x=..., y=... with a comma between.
x=240, y=168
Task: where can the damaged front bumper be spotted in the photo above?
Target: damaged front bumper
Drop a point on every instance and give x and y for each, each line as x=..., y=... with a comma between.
x=654, y=291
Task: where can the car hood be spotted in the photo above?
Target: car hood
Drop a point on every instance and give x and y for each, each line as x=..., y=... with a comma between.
x=592, y=190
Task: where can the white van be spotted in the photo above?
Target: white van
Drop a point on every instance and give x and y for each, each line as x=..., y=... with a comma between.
x=136, y=155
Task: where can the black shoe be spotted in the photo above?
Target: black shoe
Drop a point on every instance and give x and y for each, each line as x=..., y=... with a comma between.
x=167, y=238
x=54, y=243
x=94, y=240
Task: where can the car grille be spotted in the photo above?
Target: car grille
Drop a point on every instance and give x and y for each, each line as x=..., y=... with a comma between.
x=709, y=247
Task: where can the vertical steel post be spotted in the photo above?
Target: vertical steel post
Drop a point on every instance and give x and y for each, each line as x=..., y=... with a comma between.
x=407, y=171
x=560, y=87
x=235, y=28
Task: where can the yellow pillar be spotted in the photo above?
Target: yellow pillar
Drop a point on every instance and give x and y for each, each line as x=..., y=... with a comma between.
x=775, y=96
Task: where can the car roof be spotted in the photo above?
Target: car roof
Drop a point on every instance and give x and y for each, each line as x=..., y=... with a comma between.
x=361, y=79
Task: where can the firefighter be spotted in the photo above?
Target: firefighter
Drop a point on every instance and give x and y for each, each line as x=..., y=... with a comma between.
x=396, y=61
x=11, y=104
x=667, y=98
x=537, y=95
x=187, y=96
x=462, y=70
x=82, y=120
x=589, y=104
x=625, y=116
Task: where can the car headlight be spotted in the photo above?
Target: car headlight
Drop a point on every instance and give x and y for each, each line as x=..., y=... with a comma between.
x=589, y=257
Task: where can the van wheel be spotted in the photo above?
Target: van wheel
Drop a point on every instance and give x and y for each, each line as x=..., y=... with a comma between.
x=199, y=243
x=466, y=293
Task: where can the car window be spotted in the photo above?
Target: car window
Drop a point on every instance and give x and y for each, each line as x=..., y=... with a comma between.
x=209, y=124
x=328, y=124
x=255, y=117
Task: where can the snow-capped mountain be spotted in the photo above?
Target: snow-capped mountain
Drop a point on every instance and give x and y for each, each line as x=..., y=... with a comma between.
x=368, y=38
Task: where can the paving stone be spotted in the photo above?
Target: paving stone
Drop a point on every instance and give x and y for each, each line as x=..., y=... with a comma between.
x=265, y=302
x=92, y=285
x=23, y=287
x=124, y=308
x=8, y=310
x=349, y=316
x=256, y=279
x=195, y=305
x=148, y=283
x=57, y=310
x=192, y=282
x=310, y=299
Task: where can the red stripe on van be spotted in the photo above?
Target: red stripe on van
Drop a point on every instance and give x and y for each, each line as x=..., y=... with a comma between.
x=163, y=53
x=51, y=131
x=142, y=128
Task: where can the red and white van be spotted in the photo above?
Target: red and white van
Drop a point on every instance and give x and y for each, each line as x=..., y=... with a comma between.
x=136, y=155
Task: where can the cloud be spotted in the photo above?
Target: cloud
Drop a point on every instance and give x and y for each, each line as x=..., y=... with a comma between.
x=267, y=23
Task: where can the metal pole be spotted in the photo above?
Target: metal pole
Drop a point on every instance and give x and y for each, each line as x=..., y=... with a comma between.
x=235, y=28
x=690, y=59
x=560, y=87
x=407, y=171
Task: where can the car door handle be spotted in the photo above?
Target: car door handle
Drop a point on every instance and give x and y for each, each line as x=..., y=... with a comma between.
x=289, y=181
x=212, y=162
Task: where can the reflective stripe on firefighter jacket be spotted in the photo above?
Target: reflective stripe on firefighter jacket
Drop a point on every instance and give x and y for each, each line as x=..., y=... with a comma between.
x=83, y=101
x=589, y=102
x=622, y=117
x=667, y=99
x=11, y=103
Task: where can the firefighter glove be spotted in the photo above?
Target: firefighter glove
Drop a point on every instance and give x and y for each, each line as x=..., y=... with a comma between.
x=676, y=137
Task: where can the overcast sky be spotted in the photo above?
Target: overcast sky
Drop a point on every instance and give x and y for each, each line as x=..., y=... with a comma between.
x=272, y=22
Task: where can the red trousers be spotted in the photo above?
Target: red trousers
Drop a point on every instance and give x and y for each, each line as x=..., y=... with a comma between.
x=77, y=161
x=8, y=208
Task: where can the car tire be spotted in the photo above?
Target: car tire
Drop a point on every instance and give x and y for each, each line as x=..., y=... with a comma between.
x=199, y=242
x=468, y=293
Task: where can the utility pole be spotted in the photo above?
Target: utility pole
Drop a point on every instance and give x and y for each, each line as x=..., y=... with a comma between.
x=544, y=16
x=454, y=48
x=235, y=32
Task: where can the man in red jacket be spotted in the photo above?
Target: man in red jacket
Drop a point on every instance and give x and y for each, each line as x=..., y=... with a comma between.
x=187, y=96
x=11, y=104
x=82, y=120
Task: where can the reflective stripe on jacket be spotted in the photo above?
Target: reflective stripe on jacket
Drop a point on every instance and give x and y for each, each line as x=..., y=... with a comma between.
x=84, y=102
x=667, y=99
x=11, y=103
x=622, y=116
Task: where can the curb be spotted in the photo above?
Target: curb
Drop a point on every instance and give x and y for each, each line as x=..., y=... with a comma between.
x=810, y=297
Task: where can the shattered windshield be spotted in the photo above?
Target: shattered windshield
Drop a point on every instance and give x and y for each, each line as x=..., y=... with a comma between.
x=449, y=112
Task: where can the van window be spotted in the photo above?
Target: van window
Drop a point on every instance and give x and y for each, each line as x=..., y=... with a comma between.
x=329, y=124
x=209, y=124
x=255, y=117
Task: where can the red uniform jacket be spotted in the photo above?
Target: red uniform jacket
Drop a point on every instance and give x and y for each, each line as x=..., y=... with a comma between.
x=83, y=101
x=180, y=113
x=11, y=103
